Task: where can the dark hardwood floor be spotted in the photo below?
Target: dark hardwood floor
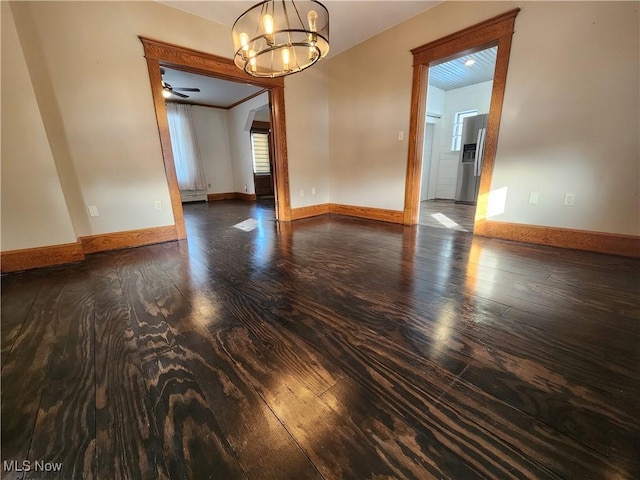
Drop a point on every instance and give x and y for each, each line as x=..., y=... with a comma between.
x=447, y=214
x=332, y=348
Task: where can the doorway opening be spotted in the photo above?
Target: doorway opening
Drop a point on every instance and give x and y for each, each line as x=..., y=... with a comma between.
x=262, y=155
x=457, y=106
x=209, y=125
x=495, y=32
x=162, y=55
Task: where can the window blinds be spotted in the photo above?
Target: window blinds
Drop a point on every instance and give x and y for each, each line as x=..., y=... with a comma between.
x=260, y=148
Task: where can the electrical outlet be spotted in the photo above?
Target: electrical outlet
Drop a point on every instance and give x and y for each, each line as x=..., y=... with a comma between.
x=400, y=135
x=302, y=193
x=569, y=199
x=93, y=211
x=313, y=190
x=158, y=205
x=534, y=198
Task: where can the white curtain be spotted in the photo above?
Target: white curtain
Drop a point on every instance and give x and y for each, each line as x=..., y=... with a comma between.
x=185, y=148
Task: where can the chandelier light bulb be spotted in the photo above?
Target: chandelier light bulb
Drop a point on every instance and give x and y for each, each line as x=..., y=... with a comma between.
x=312, y=16
x=285, y=59
x=252, y=60
x=244, y=41
x=267, y=21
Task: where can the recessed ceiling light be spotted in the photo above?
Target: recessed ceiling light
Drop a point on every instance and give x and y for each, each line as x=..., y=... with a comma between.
x=469, y=62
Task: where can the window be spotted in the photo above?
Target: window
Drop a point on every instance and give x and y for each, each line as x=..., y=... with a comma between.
x=189, y=169
x=457, y=128
x=260, y=150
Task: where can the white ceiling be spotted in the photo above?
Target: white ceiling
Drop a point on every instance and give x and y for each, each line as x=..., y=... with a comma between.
x=351, y=22
x=213, y=91
x=455, y=74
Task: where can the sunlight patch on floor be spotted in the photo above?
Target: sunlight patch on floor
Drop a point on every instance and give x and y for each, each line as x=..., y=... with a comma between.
x=247, y=225
x=445, y=221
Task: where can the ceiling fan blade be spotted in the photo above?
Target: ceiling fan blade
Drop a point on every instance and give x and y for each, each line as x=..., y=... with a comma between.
x=182, y=95
x=186, y=89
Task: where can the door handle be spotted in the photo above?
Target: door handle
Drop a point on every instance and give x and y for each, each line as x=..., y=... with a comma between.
x=480, y=151
x=477, y=152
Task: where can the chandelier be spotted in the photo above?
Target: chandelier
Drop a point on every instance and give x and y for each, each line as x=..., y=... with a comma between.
x=280, y=37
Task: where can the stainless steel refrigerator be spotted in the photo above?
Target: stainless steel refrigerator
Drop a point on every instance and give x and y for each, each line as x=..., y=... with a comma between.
x=474, y=130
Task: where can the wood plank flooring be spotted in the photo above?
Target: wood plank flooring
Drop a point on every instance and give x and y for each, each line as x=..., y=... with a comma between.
x=447, y=214
x=328, y=348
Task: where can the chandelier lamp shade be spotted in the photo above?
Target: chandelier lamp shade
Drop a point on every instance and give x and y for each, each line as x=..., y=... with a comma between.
x=280, y=37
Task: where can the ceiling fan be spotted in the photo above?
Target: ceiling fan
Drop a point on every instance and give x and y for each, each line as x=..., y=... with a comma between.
x=168, y=90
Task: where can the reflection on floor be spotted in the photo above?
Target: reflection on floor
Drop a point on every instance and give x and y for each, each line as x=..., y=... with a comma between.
x=447, y=214
x=329, y=348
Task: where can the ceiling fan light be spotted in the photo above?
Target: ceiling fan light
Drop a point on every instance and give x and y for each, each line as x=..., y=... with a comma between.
x=166, y=93
x=277, y=38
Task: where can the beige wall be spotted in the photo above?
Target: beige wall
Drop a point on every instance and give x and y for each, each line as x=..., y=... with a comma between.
x=210, y=125
x=307, y=116
x=571, y=118
x=34, y=212
x=369, y=96
x=92, y=88
x=570, y=121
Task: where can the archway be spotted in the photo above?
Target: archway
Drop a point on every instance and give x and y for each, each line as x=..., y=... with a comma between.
x=164, y=54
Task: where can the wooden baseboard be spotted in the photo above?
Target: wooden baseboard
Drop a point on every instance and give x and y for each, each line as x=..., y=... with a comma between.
x=251, y=197
x=28, y=258
x=212, y=197
x=611, y=243
x=128, y=239
x=370, y=213
x=310, y=211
